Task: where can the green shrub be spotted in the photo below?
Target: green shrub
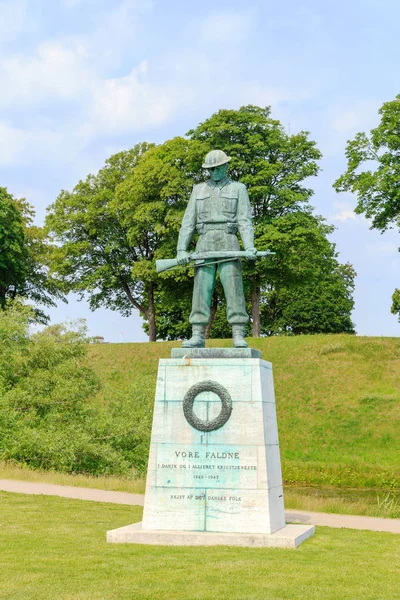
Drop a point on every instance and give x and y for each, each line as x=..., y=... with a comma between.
x=48, y=419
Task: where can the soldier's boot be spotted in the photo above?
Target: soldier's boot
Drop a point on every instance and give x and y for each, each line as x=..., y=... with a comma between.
x=238, y=332
x=197, y=340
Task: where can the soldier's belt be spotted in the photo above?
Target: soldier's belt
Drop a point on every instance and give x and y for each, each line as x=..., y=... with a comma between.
x=203, y=228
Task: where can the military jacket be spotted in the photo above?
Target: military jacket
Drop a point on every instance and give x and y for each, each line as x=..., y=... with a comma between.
x=217, y=205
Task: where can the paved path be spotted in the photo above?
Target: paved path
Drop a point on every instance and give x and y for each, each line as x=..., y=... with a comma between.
x=346, y=521
x=292, y=516
x=67, y=491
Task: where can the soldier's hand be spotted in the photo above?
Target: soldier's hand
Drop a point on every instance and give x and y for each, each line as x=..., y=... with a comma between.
x=182, y=257
x=252, y=253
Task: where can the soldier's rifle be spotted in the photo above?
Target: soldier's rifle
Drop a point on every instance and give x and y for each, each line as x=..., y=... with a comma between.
x=212, y=258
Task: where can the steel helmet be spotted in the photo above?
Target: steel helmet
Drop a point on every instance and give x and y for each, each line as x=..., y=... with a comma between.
x=215, y=158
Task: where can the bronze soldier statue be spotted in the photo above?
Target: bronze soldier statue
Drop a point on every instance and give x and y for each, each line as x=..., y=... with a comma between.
x=217, y=209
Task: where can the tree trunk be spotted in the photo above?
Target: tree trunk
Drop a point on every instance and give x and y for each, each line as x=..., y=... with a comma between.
x=213, y=312
x=255, y=310
x=151, y=315
x=3, y=292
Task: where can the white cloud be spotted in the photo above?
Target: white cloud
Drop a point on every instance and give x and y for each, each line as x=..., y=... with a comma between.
x=345, y=121
x=227, y=26
x=300, y=18
x=72, y=77
x=262, y=95
x=39, y=145
x=64, y=71
x=11, y=142
x=343, y=212
x=137, y=100
x=358, y=117
x=13, y=17
x=130, y=102
x=72, y=3
x=116, y=28
x=70, y=67
x=384, y=247
x=344, y=215
x=55, y=70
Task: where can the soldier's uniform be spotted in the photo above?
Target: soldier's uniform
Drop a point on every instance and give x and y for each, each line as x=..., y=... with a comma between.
x=218, y=210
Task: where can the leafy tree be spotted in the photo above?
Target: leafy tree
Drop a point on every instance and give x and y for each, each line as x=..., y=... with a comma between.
x=113, y=225
x=396, y=303
x=150, y=204
x=14, y=253
x=24, y=256
x=308, y=290
x=173, y=299
x=98, y=256
x=272, y=164
x=322, y=305
x=378, y=187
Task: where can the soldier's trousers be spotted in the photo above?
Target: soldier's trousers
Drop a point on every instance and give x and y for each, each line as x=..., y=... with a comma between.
x=231, y=278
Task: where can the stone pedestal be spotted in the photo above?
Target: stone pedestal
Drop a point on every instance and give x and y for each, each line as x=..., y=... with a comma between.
x=214, y=474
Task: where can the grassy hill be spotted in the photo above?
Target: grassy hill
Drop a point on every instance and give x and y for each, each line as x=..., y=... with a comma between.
x=338, y=402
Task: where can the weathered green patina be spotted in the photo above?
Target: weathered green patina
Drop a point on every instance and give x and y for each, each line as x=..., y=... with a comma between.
x=218, y=209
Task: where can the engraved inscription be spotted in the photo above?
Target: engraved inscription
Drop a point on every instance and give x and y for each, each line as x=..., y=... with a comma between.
x=207, y=467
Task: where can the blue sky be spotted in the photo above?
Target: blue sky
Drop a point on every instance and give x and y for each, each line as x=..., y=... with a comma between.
x=83, y=79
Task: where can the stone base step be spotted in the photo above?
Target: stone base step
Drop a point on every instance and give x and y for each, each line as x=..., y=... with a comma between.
x=290, y=536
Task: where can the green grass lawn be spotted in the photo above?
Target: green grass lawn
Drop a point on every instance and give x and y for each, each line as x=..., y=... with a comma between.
x=54, y=548
x=338, y=402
